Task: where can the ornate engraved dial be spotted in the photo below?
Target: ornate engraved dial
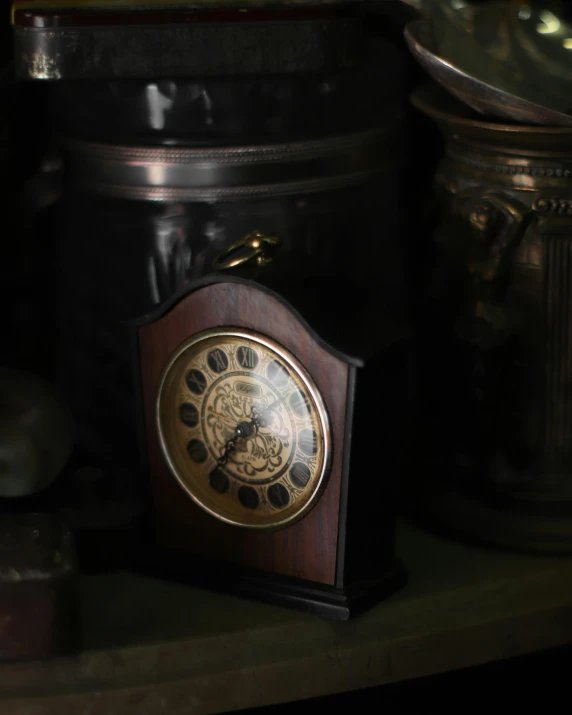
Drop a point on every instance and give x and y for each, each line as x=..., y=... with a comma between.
x=243, y=428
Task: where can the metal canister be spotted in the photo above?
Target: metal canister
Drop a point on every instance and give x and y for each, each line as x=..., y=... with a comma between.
x=141, y=222
x=163, y=175
x=497, y=408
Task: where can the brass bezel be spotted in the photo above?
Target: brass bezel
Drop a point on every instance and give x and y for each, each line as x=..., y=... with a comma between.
x=313, y=392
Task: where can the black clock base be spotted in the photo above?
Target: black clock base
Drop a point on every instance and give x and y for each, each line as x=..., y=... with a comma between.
x=309, y=597
x=327, y=602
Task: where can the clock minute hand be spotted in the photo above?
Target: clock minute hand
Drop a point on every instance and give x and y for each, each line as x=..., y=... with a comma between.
x=245, y=429
x=258, y=415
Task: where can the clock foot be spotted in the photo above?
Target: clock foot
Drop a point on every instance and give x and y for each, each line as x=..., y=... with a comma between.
x=325, y=601
x=309, y=597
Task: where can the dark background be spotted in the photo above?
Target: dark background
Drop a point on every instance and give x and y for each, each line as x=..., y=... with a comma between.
x=537, y=682
x=516, y=682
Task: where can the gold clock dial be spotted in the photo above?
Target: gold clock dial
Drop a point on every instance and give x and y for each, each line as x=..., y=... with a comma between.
x=243, y=428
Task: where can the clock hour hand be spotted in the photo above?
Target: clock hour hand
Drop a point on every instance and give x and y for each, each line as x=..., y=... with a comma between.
x=258, y=415
x=243, y=430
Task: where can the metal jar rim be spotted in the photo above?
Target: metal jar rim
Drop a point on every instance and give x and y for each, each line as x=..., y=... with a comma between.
x=218, y=173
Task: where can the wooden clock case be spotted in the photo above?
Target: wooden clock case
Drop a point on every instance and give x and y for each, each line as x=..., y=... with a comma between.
x=339, y=558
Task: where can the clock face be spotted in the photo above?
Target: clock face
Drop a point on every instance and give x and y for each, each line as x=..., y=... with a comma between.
x=243, y=428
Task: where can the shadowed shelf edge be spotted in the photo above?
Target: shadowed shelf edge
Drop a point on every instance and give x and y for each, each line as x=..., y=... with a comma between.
x=157, y=647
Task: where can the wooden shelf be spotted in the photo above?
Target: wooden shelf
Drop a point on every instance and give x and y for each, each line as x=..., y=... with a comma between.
x=154, y=647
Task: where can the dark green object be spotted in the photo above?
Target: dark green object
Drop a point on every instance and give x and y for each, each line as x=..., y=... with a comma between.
x=37, y=433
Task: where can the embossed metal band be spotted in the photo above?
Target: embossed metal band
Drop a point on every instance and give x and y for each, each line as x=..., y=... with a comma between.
x=185, y=174
x=528, y=171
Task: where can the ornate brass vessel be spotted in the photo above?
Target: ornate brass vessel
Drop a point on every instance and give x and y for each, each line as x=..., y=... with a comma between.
x=497, y=406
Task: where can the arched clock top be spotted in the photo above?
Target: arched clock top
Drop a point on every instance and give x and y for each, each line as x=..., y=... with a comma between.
x=296, y=304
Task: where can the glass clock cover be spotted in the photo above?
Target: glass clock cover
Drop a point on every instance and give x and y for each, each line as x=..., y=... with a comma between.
x=243, y=428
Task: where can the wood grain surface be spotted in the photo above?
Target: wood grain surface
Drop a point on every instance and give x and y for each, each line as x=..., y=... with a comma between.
x=305, y=550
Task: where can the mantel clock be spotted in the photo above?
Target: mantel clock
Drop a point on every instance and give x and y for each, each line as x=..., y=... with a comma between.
x=272, y=435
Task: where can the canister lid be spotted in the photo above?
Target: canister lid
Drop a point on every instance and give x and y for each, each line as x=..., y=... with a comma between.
x=126, y=39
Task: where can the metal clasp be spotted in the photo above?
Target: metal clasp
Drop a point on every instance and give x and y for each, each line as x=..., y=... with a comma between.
x=255, y=246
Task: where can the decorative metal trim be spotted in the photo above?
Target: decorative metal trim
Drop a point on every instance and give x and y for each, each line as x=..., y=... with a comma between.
x=555, y=205
x=186, y=174
x=557, y=171
x=309, y=149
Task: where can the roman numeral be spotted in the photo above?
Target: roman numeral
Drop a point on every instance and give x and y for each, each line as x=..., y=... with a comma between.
x=277, y=374
x=299, y=404
x=196, y=382
x=197, y=451
x=217, y=360
x=308, y=442
x=247, y=357
x=189, y=414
